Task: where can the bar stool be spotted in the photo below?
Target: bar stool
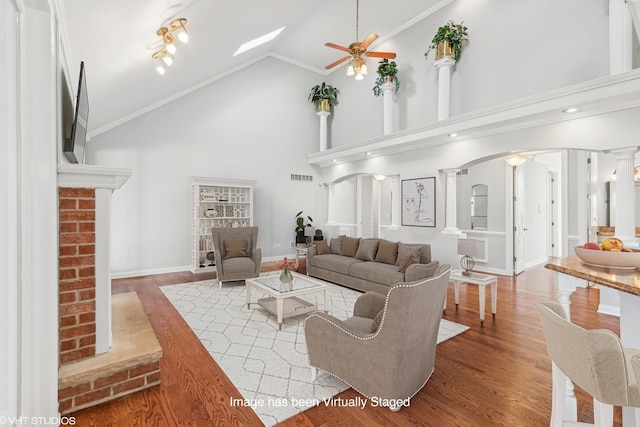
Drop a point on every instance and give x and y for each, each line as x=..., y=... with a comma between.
x=594, y=360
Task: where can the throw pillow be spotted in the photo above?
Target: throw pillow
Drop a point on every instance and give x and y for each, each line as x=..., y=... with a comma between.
x=336, y=244
x=405, y=250
x=235, y=248
x=376, y=321
x=323, y=248
x=367, y=249
x=412, y=258
x=387, y=252
x=349, y=246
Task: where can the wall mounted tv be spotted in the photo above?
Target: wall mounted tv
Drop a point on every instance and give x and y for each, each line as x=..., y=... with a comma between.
x=74, y=146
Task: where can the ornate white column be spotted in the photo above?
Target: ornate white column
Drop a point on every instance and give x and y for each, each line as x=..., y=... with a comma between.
x=444, y=85
x=625, y=196
x=323, y=129
x=450, y=219
x=396, y=203
x=620, y=32
x=388, y=89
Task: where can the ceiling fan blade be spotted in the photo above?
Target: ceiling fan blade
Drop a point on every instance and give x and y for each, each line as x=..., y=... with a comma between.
x=336, y=46
x=338, y=62
x=389, y=55
x=368, y=40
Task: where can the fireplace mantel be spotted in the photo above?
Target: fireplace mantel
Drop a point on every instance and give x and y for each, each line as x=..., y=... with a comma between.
x=90, y=176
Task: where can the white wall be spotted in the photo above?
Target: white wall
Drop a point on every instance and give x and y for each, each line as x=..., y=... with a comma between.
x=513, y=52
x=256, y=124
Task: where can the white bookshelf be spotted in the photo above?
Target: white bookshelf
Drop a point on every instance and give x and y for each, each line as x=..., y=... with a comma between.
x=216, y=202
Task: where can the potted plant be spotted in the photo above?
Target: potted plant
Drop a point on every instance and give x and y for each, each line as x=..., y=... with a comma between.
x=300, y=227
x=323, y=96
x=448, y=40
x=387, y=73
x=319, y=235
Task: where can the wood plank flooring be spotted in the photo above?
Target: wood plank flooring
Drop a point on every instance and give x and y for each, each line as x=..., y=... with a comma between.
x=499, y=375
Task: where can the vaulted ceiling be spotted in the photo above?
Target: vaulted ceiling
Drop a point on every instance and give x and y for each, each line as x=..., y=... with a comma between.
x=112, y=38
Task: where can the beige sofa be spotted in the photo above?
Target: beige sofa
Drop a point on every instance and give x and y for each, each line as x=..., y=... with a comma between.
x=369, y=264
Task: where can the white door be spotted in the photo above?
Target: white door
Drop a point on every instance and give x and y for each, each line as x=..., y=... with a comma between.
x=552, y=226
x=519, y=228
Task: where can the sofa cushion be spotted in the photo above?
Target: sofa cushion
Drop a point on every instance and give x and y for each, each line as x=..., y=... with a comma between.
x=367, y=249
x=349, y=246
x=412, y=258
x=376, y=321
x=387, y=252
x=322, y=247
x=235, y=248
x=335, y=245
x=405, y=250
x=238, y=265
x=336, y=263
x=377, y=272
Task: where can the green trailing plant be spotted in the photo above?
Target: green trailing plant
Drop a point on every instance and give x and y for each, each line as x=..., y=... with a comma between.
x=300, y=222
x=455, y=34
x=324, y=91
x=386, y=68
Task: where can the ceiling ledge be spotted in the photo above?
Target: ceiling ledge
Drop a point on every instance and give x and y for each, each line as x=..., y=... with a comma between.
x=599, y=96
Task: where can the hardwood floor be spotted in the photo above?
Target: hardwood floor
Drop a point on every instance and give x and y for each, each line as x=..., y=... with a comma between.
x=499, y=375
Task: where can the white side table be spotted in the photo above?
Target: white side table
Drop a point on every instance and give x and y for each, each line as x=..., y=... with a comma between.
x=482, y=280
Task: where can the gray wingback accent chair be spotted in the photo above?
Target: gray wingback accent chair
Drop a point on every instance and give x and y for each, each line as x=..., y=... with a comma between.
x=592, y=359
x=237, y=267
x=393, y=363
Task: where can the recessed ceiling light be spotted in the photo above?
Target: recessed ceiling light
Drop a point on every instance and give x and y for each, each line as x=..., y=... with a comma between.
x=570, y=110
x=334, y=160
x=453, y=134
x=368, y=153
x=258, y=41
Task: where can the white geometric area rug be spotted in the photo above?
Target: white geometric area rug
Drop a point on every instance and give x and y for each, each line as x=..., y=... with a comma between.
x=268, y=367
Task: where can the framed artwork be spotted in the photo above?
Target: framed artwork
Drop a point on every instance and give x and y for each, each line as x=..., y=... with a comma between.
x=419, y=202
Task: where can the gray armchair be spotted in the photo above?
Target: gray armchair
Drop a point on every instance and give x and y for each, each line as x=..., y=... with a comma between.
x=238, y=258
x=393, y=363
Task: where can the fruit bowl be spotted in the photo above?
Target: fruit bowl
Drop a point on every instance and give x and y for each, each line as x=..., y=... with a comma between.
x=608, y=259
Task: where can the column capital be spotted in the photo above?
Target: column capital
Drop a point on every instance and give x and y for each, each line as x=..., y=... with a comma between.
x=446, y=61
x=387, y=86
x=451, y=171
x=624, y=153
x=323, y=113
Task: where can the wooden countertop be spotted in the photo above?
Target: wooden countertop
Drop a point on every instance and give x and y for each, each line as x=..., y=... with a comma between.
x=622, y=280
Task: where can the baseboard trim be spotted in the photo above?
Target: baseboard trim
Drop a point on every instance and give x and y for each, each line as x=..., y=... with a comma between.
x=150, y=272
x=609, y=309
x=178, y=269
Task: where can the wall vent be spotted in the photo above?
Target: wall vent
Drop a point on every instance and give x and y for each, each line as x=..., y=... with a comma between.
x=300, y=177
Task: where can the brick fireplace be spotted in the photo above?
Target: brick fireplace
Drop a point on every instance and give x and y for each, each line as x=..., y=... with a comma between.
x=107, y=347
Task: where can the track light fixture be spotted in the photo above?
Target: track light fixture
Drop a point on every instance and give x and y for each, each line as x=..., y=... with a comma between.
x=176, y=29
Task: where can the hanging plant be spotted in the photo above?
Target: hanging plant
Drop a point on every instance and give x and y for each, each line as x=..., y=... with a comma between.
x=387, y=72
x=453, y=34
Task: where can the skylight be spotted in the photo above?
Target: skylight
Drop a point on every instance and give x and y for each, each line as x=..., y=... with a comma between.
x=258, y=41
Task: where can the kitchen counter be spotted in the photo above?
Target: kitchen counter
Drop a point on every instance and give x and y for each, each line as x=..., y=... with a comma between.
x=622, y=280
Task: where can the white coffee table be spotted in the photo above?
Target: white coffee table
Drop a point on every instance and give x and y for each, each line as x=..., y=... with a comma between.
x=482, y=280
x=287, y=304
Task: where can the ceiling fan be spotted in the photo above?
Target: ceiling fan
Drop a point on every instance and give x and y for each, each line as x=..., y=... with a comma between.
x=356, y=50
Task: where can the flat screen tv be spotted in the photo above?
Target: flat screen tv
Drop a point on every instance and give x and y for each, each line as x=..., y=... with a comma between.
x=74, y=146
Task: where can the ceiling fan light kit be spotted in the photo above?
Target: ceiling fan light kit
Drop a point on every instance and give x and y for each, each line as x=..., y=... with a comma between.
x=169, y=35
x=357, y=50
